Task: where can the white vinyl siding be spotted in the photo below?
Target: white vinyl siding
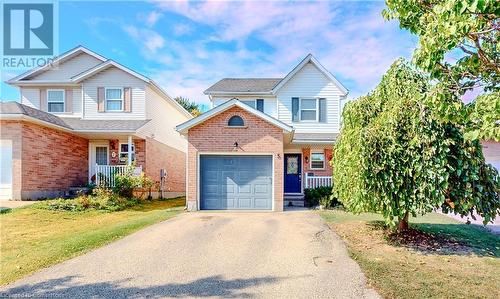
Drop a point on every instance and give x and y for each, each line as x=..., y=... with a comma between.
x=114, y=77
x=162, y=128
x=310, y=82
x=30, y=97
x=269, y=102
x=64, y=71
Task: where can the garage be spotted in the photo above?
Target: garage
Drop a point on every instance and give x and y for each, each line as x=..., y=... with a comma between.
x=236, y=182
x=5, y=169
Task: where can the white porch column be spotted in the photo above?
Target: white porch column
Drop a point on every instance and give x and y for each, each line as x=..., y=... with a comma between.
x=129, y=159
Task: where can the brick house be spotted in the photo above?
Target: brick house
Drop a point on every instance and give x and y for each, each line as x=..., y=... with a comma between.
x=265, y=140
x=83, y=118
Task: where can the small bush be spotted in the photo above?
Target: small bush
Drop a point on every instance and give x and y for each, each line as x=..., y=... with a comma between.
x=100, y=199
x=320, y=196
x=126, y=183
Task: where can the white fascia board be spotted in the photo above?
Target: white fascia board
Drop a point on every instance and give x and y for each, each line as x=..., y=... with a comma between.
x=100, y=67
x=17, y=116
x=56, y=59
x=184, y=127
x=306, y=60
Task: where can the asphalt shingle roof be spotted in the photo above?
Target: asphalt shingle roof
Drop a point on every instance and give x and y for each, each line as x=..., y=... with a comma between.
x=72, y=123
x=244, y=85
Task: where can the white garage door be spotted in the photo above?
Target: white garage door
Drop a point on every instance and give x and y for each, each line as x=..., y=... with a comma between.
x=5, y=169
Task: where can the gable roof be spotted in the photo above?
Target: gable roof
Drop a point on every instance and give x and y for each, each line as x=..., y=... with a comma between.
x=15, y=110
x=268, y=85
x=106, y=63
x=235, y=85
x=184, y=127
x=59, y=59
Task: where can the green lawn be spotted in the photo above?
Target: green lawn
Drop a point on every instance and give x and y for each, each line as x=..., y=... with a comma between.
x=464, y=262
x=34, y=238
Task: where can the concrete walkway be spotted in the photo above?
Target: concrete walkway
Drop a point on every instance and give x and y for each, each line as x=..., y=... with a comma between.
x=272, y=255
x=12, y=204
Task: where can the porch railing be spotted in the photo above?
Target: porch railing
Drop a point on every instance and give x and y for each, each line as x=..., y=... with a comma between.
x=317, y=181
x=105, y=174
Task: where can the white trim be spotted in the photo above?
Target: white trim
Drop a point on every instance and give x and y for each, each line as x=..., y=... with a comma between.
x=302, y=172
x=315, y=109
x=310, y=159
x=106, y=99
x=92, y=145
x=57, y=59
x=63, y=101
x=184, y=127
x=120, y=143
x=198, y=182
x=295, y=70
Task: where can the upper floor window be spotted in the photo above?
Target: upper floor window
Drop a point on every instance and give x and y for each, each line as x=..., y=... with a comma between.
x=317, y=160
x=236, y=121
x=114, y=99
x=256, y=104
x=309, y=110
x=55, y=100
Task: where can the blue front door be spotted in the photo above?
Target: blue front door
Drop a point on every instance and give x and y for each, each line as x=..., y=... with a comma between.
x=293, y=173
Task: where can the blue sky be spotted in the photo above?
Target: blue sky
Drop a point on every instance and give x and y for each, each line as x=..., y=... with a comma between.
x=187, y=46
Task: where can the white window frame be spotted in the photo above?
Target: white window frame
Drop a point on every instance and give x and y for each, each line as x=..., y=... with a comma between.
x=63, y=101
x=311, y=160
x=316, y=100
x=120, y=152
x=106, y=99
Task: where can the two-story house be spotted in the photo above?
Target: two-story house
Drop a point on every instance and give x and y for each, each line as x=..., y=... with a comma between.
x=82, y=119
x=265, y=140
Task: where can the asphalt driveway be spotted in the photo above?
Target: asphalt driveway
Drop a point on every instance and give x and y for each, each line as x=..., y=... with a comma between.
x=279, y=255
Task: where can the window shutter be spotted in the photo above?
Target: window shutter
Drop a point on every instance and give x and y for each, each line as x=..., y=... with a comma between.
x=43, y=99
x=322, y=110
x=295, y=109
x=127, y=96
x=100, y=99
x=260, y=105
x=68, y=100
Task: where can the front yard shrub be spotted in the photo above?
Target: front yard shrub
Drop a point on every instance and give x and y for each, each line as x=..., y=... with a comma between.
x=127, y=182
x=100, y=199
x=320, y=196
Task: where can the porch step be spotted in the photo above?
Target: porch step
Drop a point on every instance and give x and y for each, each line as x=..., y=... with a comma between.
x=294, y=200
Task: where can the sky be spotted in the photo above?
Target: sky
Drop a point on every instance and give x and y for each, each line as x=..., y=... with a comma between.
x=188, y=46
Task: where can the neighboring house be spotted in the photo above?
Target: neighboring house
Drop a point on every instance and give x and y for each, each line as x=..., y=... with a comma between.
x=265, y=140
x=491, y=151
x=83, y=115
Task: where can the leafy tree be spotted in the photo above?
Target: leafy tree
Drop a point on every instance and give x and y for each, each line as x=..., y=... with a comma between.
x=189, y=105
x=394, y=156
x=483, y=117
x=467, y=29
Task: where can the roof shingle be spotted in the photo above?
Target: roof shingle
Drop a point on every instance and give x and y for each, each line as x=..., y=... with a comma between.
x=244, y=85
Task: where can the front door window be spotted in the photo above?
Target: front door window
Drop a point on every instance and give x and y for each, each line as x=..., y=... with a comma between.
x=101, y=155
x=292, y=165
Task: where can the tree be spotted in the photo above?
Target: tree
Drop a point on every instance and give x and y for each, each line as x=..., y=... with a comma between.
x=466, y=29
x=394, y=156
x=189, y=105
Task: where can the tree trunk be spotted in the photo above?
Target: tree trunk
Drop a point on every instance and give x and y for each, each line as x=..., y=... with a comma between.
x=403, y=223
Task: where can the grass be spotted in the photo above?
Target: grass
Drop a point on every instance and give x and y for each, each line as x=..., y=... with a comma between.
x=33, y=238
x=463, y=263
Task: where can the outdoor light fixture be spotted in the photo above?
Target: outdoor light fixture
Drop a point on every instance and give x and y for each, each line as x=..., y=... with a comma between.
x=307, y=159
x=235, y=145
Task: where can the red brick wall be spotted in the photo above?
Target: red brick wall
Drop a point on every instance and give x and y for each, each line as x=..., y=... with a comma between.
x=52, y=159
x=160, y=156
x=259, y=136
